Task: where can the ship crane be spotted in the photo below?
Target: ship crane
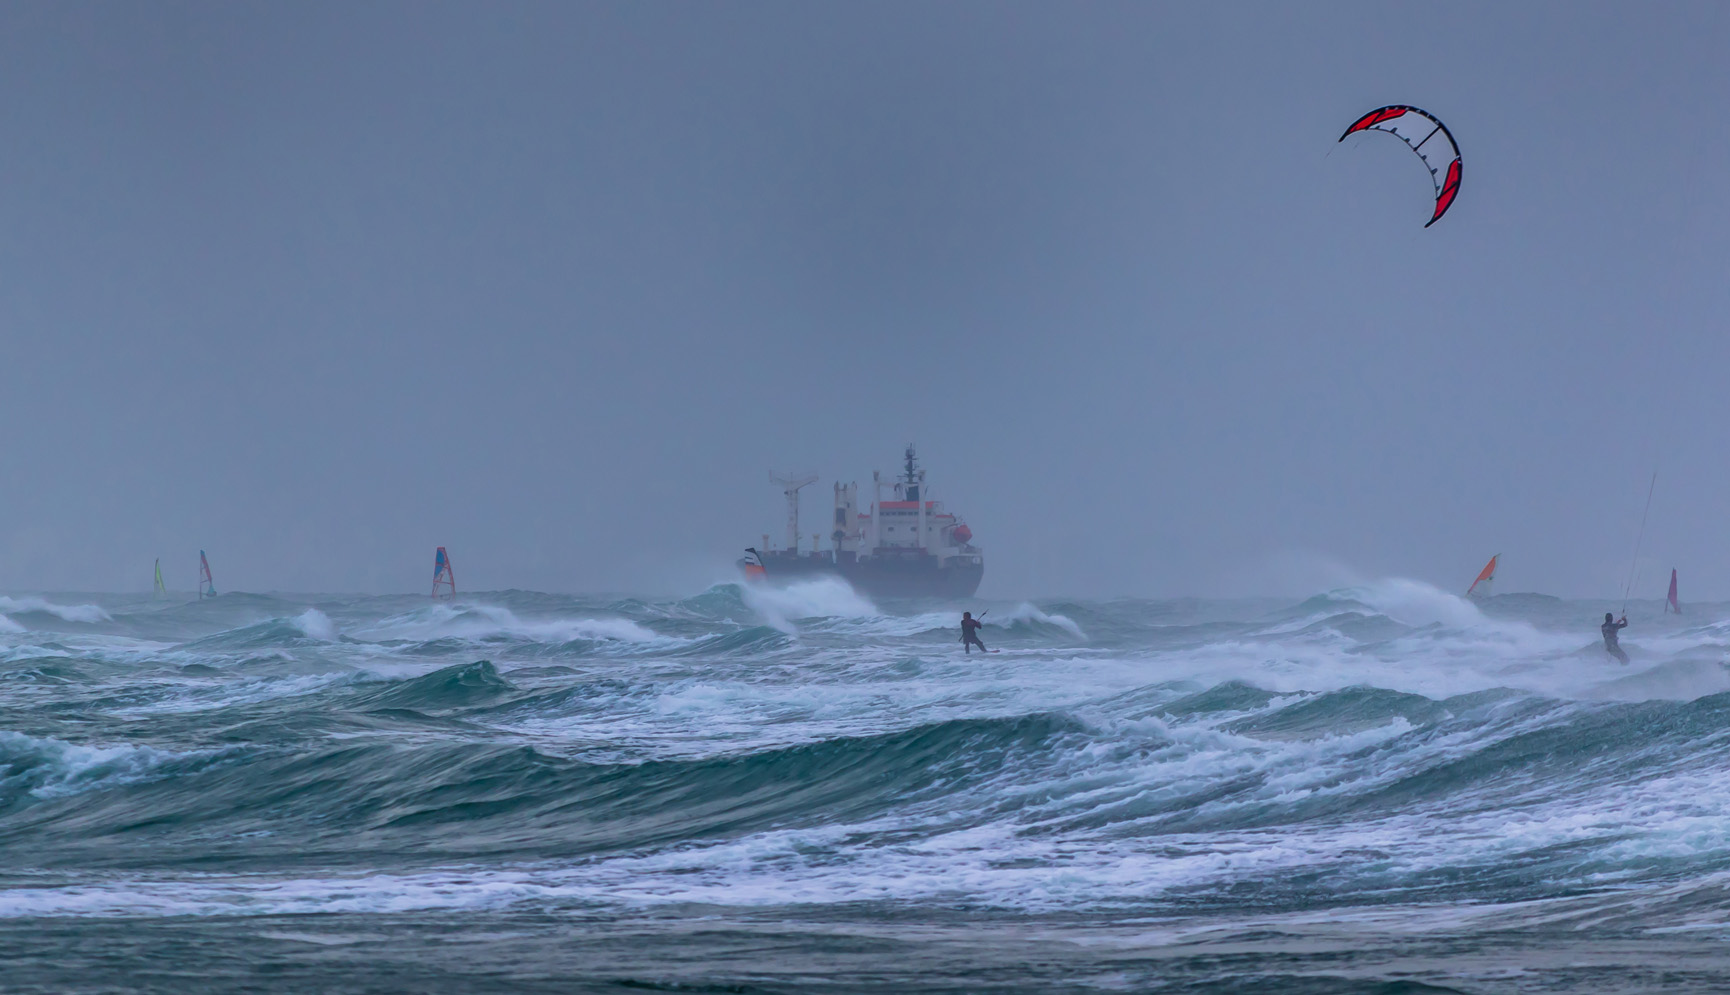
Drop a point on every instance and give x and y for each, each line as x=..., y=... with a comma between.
x=790, y=486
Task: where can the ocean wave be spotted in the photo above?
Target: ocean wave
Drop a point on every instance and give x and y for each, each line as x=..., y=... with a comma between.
x=477, y=623
x=1027, y=616
x=782, y=606
x=42, y=768
x=461, y=686
x=315, y=624
x=85, y=614
x=275, y=632
x=754, y=640
x=1382, y=744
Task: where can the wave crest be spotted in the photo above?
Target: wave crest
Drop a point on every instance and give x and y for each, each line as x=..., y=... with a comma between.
x=85, y=614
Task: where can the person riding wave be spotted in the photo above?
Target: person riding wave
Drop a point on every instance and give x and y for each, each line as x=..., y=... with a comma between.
x=1612, y=631
x=970, y=633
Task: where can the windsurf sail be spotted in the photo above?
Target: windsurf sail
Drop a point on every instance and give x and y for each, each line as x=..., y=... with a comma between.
x=161, y=592
x=753, y=564
x=1486, y=577
x=442, y=575
x=206, y=586
x=1672, y=605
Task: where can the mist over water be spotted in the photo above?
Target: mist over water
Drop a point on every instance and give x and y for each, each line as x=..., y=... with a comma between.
x=1376, y=785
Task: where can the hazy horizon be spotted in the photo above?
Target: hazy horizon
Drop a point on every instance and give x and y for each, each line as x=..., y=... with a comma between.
x=317, y=288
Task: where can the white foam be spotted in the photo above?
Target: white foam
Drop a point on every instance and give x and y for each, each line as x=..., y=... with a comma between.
x=1415, y=603
x=228, y=694
x=819, y=597
x=71, y=613
x=1026, y=612
x=316, y=625
x=63, y=768
x=476, y=622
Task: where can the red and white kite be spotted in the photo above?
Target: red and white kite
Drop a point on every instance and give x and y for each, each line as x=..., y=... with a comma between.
x=1429, y=138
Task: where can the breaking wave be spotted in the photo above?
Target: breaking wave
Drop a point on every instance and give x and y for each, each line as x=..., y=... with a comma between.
x=802, y=752
x=28, y=607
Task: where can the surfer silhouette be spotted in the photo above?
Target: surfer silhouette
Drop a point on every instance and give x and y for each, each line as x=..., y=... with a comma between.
x=1611, y=629
x=970, y=633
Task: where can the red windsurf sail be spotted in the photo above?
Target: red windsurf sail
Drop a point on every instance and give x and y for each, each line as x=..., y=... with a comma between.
x=443, y=575
x=1481, y=587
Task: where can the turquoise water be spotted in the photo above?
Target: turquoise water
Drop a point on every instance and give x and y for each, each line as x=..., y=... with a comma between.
x=1385, y=789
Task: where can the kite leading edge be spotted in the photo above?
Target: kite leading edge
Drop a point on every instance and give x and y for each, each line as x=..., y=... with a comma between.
x=1429, y=138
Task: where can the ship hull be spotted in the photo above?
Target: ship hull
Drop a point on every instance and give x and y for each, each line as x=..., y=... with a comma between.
x=885, y=576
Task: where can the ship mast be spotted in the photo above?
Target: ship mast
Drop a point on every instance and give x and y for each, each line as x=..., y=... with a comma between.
x=915, y=489
x=790, y=487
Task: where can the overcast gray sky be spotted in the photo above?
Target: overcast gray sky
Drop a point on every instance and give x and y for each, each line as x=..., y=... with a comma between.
x=319, y=286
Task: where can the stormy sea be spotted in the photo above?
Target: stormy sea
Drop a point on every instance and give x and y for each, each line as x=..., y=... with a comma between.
x=1384, y=789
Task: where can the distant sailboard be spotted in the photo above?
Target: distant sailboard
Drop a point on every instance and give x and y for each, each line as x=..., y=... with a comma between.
x=1486, y=577
x=1671, y=605
x=753, y=564
x=161, y=591
x=443, y=576
x=206, y=586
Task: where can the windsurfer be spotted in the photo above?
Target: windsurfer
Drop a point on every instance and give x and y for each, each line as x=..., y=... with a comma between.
x=970, y=633
x=1611, y=630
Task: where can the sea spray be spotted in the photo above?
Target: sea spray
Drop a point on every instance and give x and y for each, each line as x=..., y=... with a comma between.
x=821, y=597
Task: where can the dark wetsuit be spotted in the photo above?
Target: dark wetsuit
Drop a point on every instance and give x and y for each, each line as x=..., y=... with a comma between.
x=970, y=635
x=1611, y=631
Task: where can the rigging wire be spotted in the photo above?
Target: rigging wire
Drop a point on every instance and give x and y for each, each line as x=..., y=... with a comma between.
x=1637, y=542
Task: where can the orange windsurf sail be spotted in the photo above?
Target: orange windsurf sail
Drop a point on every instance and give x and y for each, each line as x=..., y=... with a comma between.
x=1486, y=577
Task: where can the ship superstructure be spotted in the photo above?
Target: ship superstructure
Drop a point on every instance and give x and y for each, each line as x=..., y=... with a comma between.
x=907, y=546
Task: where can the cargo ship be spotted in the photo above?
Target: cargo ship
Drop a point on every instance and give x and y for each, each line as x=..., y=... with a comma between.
x=906, y=547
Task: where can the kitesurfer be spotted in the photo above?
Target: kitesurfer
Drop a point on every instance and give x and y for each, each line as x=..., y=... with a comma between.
x=970, y=633
x=1610, y=629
